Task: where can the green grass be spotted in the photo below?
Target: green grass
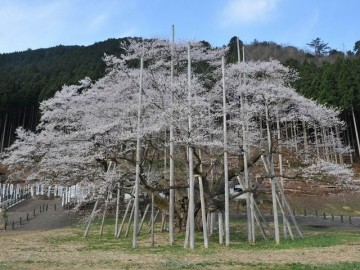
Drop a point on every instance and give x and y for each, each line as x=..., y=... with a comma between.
x=107, y=248
x=313, y=237
x=175, y=256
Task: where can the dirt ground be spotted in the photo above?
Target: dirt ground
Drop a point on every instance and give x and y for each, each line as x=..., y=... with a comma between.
x=32, y=246
x=34, y=251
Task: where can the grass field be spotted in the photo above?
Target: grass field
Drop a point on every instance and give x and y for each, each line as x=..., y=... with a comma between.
x=321, y=248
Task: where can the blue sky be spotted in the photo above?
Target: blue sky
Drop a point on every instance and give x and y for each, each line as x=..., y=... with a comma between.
x=45, y=23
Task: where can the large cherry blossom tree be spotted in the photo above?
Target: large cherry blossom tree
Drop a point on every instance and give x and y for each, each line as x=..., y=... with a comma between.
x=86, y=126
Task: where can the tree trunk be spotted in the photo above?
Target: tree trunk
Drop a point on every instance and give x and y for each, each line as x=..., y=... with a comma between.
x=3, y=134
x=338, y=139
x=316, y=142
x=326, y=150
x=348, y=130
x=305, y=140
x=356, y=130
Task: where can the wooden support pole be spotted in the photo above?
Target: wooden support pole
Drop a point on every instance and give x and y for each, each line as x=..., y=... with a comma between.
x=152, y=220
x=220, y=225
x=287, y=224
x=143, y=218
x=171, y=150
x=130, y=219
x=258, y=222
x=212, y=222
x=163, y=221
x=91, y=218
x=191, y=208
x=208, y=218
x=287, y=206
x=138, y=161
x=104, y=215
x=203, y=214
x=124, y=217
x=187, y=232
x=117, y=209
x=226, y=170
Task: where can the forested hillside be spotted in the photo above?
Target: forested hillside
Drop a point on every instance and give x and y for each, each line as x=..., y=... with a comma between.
x=35, y=75
x=28, y=77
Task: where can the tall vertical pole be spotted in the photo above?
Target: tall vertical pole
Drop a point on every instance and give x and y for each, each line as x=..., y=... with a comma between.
x=137, y=179
x=273, y=179
x=243, y=51
x=285, y=221
x=191, y=165
x=226, y=170
x=203, y=213
x=172, y=180
x=117, y=209
x=152, y=220
x=249, y=212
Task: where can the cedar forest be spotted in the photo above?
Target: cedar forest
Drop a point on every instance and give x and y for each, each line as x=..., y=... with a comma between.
x=29, y=77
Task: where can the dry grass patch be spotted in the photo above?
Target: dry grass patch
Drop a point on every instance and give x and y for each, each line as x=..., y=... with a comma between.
x=67, y=248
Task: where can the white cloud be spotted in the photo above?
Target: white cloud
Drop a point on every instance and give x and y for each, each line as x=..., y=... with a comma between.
x=248, y=11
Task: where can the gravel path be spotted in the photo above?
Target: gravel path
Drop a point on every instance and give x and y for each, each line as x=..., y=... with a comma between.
x=48, y=215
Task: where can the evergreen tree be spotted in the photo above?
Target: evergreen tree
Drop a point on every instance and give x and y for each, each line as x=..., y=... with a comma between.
x=319, y=46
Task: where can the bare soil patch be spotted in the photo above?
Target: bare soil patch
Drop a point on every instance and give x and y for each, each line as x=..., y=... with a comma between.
x=33, y=250
x=47, y=242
